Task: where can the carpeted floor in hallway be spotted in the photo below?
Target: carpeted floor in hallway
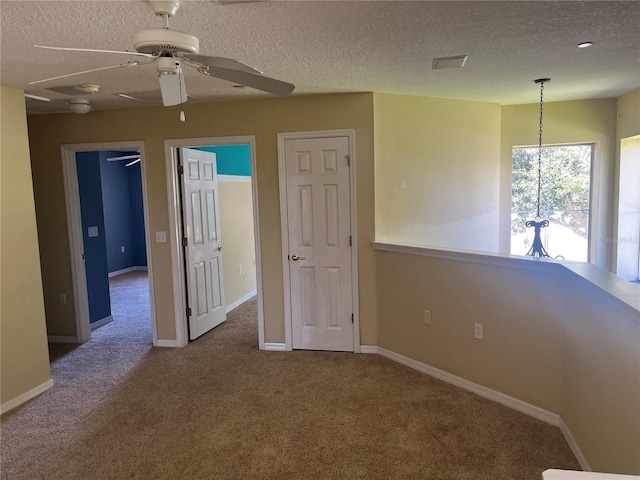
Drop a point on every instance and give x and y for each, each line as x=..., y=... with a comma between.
x=222, y=409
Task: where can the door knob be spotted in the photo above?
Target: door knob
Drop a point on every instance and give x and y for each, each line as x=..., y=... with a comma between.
x=295, y=257
x=219, y=248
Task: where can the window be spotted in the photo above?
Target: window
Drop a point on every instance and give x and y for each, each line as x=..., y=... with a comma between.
x=564, y=199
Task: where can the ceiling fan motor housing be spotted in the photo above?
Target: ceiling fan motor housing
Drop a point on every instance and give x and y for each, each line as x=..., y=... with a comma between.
x=161, y=40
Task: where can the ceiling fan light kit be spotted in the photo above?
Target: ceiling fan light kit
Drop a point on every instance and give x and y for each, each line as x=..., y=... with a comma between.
x=80, y=105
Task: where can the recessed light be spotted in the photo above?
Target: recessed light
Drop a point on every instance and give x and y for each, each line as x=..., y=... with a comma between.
x=449, y=62
x=585, y=44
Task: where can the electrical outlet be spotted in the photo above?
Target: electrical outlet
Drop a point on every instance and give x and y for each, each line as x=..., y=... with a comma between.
x=479, y=334
x=427, y=317
x=240, y=269
x=63, y=299
x=122, y=248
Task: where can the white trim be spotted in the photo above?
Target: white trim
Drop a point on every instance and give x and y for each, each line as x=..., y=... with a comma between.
x=284, y=228
x=25, y=397
x=275, y=347
x=74, y=226
x=234, y=178
x=369, y=349
x=573, y=445
x=482, y=391
x=61, y=339
x=115, y=273
x=173, y=196
x=240, y=301
x=167, y=344
x=101, y=322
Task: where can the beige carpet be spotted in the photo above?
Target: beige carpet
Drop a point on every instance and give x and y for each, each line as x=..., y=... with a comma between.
x=222, y=409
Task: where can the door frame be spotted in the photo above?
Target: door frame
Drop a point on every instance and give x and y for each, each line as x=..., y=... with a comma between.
x=284, y=224
x=175, y=245
x=74, y=227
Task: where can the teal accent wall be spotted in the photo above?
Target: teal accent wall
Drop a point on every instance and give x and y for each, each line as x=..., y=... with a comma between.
x=231, y=159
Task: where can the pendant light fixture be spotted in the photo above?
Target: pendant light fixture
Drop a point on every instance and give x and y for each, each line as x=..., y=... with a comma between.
x=537, y=249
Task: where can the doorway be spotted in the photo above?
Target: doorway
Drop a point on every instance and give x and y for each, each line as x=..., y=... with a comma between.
x=98, y=257
x=239, y=239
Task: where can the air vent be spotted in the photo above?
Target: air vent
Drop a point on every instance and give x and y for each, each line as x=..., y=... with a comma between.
x=449, y=62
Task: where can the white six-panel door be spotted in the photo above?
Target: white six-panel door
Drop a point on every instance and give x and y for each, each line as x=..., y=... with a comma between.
x=318, y=212
x=203, y=253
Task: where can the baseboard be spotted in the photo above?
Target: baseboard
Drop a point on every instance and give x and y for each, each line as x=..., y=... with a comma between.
x=501, y=398
x=246, y=298
x=127, y=270
x=25, y=397
x=275, y=347
x=61, y=339
x=573, y=445
x=167, y=343
x=101, y=322
x=368, y=349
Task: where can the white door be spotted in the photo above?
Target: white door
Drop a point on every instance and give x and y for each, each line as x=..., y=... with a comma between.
x=319, y=218
x=203, y=251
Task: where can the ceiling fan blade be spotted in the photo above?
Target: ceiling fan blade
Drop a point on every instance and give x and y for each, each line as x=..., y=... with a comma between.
x=173, y=89
x=128, y=64
x=125, y=157
x=219, y=62
x=71, y=49
x=259, y=82
x=36, y=97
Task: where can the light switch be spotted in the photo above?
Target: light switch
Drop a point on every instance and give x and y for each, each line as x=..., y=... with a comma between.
x=92, y=231
x=161, y=237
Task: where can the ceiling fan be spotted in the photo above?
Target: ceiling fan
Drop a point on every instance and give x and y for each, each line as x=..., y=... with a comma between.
x=170, y=50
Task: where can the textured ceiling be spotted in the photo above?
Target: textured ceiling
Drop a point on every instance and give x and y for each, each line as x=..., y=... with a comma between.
x=338, y=46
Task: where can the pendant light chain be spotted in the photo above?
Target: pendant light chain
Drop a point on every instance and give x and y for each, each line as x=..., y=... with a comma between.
x=537, y=249
x=540, y=147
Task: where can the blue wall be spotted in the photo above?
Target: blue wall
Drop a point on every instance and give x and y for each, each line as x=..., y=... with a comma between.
x=95, y=249
x=137, y=215
x=123, y=212
x=231, y=159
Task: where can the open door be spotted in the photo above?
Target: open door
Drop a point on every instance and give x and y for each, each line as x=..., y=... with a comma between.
x=202, y=247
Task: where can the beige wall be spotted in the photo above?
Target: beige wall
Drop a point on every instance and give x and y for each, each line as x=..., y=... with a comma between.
x=24, y=353
x=580, y=121
x=628, y=109
x=262, y=118
x=236, y=233
x=521, y=350
x=601, y=376
x=437, y=171
x=550, y=340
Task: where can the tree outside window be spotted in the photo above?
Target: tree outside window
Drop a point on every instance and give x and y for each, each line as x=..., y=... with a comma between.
x=564, y=199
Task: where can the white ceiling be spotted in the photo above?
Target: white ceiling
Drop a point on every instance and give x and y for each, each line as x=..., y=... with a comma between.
x=338, y=46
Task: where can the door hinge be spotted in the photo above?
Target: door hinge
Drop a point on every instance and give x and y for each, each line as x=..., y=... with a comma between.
x=188, y=311
x=350, y=240
x=348, y=157
x=181, y=169
x=352, y=318
x=185, y=242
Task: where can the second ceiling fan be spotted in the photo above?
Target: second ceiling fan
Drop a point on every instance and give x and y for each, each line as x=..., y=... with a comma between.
x=170, y=50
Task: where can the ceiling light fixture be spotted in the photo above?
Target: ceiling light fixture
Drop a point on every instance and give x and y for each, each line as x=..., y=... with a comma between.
x=80, y=105
x=585, y=44
x=449, y=62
